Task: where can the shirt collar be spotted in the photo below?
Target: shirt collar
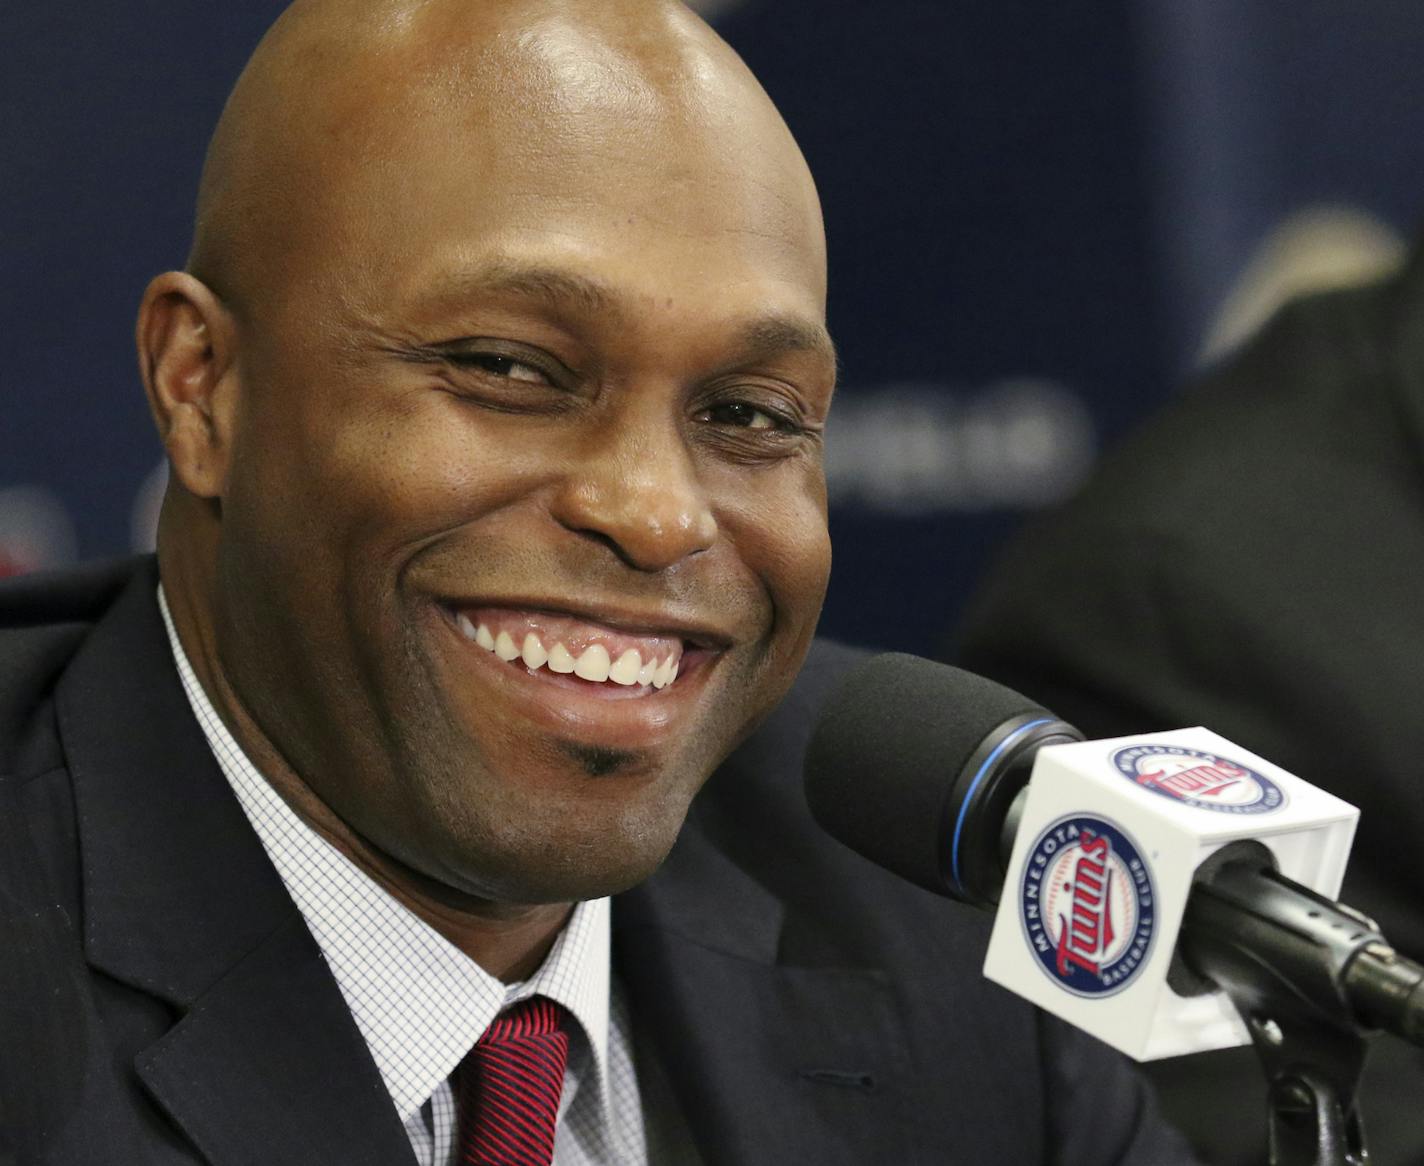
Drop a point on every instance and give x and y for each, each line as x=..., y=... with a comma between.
x=419, y=1001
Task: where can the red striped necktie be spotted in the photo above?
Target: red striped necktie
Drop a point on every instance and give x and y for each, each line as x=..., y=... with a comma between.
x=509, y=1084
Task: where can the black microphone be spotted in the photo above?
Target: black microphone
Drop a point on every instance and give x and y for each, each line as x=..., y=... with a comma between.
x=916, y=766
x=919, y=767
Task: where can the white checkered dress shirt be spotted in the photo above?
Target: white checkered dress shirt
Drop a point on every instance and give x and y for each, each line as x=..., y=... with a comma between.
x=419, y=1001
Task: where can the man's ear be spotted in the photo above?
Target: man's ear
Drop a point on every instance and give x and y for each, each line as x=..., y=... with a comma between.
x=187, y=357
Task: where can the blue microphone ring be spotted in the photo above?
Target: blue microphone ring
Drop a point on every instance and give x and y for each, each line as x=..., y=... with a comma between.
x=985, y=768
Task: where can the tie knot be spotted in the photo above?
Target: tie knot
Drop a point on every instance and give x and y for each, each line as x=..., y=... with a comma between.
x=535, y=1017
x=509, y=1086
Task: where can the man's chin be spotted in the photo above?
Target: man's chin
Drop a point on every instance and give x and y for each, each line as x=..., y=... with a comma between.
x=539, y=883
x=591, y=852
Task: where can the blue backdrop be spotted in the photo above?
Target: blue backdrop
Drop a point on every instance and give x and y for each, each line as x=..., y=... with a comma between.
x=1033, y=211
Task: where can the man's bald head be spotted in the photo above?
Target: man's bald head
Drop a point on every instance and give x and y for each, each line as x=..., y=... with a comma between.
x=326, y=129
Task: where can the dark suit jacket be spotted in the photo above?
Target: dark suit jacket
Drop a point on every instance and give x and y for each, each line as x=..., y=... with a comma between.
x=163, y=1002
x=1253, y=560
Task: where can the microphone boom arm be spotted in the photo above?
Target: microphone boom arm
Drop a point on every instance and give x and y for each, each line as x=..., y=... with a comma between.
x=1310, y=978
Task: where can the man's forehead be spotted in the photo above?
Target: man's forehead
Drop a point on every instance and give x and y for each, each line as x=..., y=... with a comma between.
x=535, y=110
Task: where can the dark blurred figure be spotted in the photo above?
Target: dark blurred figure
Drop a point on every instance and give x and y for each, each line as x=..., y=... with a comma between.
x=1253, y=561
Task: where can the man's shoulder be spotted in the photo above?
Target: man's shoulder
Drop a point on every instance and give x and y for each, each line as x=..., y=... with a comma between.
x=783, y=736
x=759, y=789
x=826, y=665
x=755, y=810
x=76, y=595
x=44, y=617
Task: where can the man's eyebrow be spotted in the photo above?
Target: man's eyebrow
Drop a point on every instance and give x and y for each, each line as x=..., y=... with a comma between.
x=764, y=336
x=550, y=284
x=776, y=333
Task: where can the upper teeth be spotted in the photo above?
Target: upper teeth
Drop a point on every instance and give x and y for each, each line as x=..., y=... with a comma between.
x=593, y=663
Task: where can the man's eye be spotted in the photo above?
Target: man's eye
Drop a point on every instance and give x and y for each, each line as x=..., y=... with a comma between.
x=501, y=366
x=744, y=416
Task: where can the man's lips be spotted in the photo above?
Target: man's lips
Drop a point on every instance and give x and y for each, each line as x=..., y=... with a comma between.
x=636, y=655
x=505, y=693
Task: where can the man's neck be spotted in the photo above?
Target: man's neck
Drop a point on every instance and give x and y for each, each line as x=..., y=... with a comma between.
x=509, y=941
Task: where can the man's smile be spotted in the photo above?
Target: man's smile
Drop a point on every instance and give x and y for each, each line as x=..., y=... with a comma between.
x=566, y=645
x=608, y=678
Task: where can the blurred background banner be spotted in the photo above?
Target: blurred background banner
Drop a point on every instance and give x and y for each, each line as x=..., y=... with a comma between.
x=1041, y=217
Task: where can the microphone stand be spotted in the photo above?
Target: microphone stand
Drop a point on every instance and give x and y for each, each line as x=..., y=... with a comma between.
x=1311, y=979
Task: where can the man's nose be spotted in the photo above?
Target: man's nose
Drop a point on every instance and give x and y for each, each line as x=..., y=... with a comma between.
x=635, y=488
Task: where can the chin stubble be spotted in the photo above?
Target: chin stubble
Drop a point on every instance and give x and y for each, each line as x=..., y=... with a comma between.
x=599, y=760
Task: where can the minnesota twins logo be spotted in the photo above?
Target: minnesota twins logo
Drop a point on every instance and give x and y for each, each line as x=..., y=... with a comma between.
x=1088, y=905
x=1199, y=779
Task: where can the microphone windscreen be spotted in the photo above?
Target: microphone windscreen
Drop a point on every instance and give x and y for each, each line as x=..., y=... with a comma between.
x=886, y=756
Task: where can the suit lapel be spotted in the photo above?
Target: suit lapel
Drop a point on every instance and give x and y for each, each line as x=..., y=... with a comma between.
x=770, y=1063
x=269, y=1067
x=180, y=901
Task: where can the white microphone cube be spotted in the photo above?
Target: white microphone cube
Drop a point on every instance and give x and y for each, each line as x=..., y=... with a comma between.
x=1111, y=834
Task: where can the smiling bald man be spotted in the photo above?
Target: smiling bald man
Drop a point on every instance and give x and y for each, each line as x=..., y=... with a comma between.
x=356, y=828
